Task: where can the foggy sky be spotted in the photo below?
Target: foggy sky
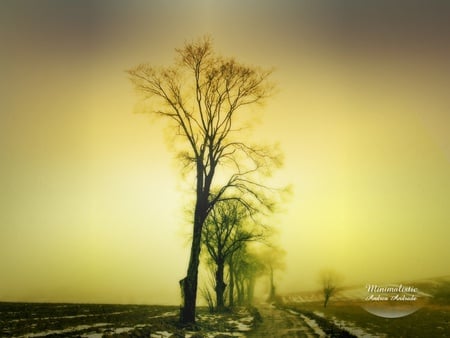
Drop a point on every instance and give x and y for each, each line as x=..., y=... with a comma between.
x=92, y=201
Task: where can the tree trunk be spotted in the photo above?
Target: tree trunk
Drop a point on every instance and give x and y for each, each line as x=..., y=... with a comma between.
x=220, y=286
x=240, y=291
x=188, y=284
x=231, y=282
x=327, y=298
x=250, y=290
x=272, y=286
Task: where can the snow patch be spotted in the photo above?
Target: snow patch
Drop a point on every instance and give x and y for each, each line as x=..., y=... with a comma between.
x=165, y=314
x=160, y=334
x=233, y=334
x=313, y=325
x=357, y=331
x=70, y=329
x=123, y=329
x=243, y=324
x=93, y=335
x=208, y=317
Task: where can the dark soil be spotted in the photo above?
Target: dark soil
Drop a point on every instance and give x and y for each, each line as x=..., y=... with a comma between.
x=103, y=320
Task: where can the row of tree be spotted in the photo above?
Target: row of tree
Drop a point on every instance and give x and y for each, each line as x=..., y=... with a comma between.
x=230, y=236
x=205, y=98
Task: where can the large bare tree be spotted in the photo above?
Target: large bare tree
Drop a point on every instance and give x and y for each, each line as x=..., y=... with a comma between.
x=202, y=94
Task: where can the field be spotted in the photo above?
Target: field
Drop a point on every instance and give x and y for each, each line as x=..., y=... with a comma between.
x=96, y=321
x=429, y=321
x=298, y=315
x=346, y=310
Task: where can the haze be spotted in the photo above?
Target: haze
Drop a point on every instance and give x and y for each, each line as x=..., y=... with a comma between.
x=92, y=203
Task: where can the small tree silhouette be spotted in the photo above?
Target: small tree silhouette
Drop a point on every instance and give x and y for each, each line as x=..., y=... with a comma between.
x=329, y=280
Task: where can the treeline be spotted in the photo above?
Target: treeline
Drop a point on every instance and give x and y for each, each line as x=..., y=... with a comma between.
x=238, y=250
x=205, y=99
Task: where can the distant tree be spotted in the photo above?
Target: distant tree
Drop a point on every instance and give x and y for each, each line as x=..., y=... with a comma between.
x=227, y=228
x=273, y=259
x=202, y=95
x=329, y=280
x=245, y=266
x=206, y=291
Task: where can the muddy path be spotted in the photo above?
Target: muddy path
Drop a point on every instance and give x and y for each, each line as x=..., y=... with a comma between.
x=278, y=323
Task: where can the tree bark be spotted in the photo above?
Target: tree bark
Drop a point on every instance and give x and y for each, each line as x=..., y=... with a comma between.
x=220, y=286
x=188, y=284
x=272, y=286
x=240, y=292
x=327, y=298
x=250, y=290
x=231, y=282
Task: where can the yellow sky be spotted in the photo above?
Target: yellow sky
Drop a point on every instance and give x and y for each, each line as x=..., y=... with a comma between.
x=92, y=202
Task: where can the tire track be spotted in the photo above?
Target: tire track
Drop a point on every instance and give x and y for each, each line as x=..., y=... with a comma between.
x=277, y=323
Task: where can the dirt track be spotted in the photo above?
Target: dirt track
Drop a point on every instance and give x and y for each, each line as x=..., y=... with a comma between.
x=278, y=323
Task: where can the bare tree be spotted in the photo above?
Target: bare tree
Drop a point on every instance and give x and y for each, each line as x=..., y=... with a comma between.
x=202, y=95
x=245, y=267
x=227, y=228
x=206, y=290
x=249, y=269
x=272, y=257
x=329, y=280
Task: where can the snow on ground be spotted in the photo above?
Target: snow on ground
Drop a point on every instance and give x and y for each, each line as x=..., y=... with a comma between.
x=310, y=322
x=70, y=329
x=118, y=330
x=69, y=317
x=124, y=329
x=209, y=317
x=165, y=314
x=350, y=327
x=353, y=329
x=243, y=324
x=240, y=325
x=231, y=325
x=93, y=335
x=214, y=334
x=160, y=334
x=313, y=325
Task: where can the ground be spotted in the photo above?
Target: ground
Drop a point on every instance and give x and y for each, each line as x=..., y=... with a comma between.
x=288, y=320
x=283, y=323
x=432, y=320
x=103, y=321
x=112, y=321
